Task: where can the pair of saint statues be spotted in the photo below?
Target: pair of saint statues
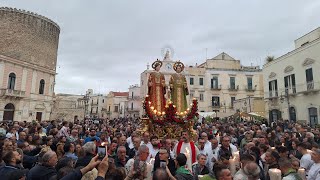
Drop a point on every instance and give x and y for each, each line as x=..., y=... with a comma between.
x=177, y=84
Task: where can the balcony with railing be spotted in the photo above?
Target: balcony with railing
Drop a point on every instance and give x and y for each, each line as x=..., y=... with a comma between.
x=216, y=87
x=308, y=87
x=133, y=109
x=251, y=88
x=13, y=93
x=233, y=88
x=94, y=103
x=133, y=97
x=291, y=90
x=273, y=94
x=216, y=104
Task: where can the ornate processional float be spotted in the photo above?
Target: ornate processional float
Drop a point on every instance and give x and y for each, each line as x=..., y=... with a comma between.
x=168, y=117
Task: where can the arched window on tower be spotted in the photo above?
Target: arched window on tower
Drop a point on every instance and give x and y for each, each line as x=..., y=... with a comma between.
x=12, y=81
x=41, y=86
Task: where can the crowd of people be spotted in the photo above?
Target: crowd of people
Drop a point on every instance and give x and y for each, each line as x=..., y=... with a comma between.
x=64, y=150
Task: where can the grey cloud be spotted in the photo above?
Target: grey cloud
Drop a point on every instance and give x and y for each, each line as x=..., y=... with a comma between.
x=105, y=45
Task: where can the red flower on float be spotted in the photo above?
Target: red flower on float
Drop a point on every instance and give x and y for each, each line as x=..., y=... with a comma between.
x=170, y=114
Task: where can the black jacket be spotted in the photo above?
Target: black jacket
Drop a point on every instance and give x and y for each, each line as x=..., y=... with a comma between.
x=41, y=172
x=84, y=161
x=132, y=153
x=118, y=163
x=6, y=170
x=29, y=161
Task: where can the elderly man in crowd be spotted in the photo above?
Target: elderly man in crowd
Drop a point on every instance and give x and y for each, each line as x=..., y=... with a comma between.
x=200, y=167
x=121, y=159
x=45, y=170
x=136, y=144
x=286, y=169
x=138, y=168
x=314, y=172
x=89, y=152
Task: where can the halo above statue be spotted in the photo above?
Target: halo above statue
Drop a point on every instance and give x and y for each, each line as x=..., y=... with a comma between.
x=156, y=63
x=178, y=64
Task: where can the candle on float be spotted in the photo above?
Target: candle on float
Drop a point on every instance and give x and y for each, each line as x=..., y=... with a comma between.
x=189, y=164
x=302, y=173
x=151, y=161
x=155, y=111
x=275, y=174
x=163, y=113
x=236, y=155
x=159, y=113
x=149, y=102
x=152, y=108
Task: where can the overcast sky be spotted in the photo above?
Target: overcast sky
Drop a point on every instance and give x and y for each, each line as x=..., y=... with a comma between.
x=105, y=45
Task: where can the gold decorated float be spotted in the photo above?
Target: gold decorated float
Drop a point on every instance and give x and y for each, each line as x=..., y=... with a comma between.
x=168, y=118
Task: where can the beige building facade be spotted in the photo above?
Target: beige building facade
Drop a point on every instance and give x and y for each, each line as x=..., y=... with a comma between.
x=28, y=58
x=216, y=83
x=134, y=104
x=116, y=103
x=68, y=107
x=252, y=105
x=292, y=82
x=94, y=104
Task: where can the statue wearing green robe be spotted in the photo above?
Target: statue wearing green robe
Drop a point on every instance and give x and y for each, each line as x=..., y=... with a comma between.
x=179, y=88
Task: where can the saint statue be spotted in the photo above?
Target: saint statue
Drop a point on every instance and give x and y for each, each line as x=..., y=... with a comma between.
x=179, y=88
x=157, y=87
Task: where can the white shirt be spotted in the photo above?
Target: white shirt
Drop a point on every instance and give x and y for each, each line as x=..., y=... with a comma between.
x=153, y=152
x=130, y=143
x=149, y=169
x=306, y=162
x=184, y=148
x=149, y=145
x=207, y=150
x=213, y=154
x=314, y=172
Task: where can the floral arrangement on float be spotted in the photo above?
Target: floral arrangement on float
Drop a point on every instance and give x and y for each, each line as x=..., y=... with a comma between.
x=170, y=114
